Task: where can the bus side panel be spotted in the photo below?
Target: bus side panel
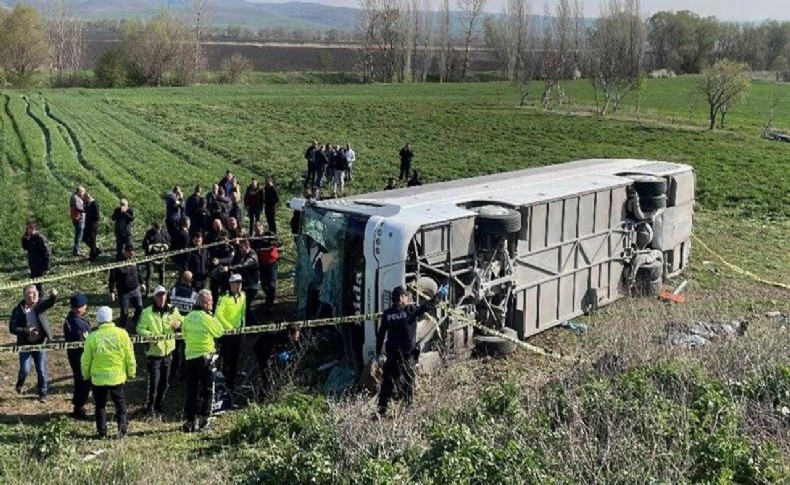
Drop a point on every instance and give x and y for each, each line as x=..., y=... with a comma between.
x=575, y=245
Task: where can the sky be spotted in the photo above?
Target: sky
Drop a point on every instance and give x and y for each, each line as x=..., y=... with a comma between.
x=738, y=10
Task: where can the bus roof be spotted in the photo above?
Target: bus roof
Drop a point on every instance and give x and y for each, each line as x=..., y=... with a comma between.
x=439, y=201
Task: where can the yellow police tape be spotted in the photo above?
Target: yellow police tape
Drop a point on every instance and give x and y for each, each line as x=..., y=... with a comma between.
x=139, y=339
x=738, y=270
x=489, y=331
x=119, y=264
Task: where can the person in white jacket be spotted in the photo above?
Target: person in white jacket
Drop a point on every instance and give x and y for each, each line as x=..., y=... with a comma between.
x=350, y=157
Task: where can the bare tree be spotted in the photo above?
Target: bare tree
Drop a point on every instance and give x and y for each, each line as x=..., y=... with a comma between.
x=555, y=48
x=471, y=11
x=445, y=42
x=771, y=110
x=203, y=12
x=156, y=46
x=65, y=37
x=617, y=55
x=723, y=85
x=421, y=43
x=384, y=40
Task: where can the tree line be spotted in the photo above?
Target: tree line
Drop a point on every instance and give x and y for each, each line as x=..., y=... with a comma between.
x=422, y=40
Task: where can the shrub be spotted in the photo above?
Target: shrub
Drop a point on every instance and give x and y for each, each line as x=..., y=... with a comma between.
x=234, y=68
x=296, y=416
x=52, y=439
x=113, y=70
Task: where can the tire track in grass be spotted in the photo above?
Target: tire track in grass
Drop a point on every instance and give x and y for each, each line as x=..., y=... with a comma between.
x=13, y=186
x=36, y=180
x=148, y=131
x=93, y=132
x=73, y=141
x=47, y=134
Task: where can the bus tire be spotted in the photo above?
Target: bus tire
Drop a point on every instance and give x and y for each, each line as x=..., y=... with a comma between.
x=492, y=346
x=497, y=220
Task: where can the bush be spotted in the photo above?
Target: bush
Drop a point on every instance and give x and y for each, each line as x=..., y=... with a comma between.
x=296, y=416
x=234, y=68
x=52, y=439
x=113, y=70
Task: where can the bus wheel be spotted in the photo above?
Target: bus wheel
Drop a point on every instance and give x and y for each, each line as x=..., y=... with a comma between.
x=497, y=220
x=491, y=346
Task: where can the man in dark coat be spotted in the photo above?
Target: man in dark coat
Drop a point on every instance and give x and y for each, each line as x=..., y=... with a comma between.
x=155, y=241
x=271, y=199
x=123, y=216
x=193, y=202
x=76, y=329
x=39, y=255
x=198, y=263
x=399, y=328
x=174, y=210
x=30, y=325
x=201, y=222
x=253, y=202
x=127, y=281
x=92, y=220
x=321, y=163
x=406, y=156
x=181, y=241
x=309, y=156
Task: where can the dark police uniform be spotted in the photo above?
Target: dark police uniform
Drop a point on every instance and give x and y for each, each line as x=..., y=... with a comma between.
x=399, y=326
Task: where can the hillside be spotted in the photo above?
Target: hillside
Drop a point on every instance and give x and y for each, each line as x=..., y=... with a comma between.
x=294, y=15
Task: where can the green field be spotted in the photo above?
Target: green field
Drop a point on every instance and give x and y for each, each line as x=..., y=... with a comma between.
x=472, y=420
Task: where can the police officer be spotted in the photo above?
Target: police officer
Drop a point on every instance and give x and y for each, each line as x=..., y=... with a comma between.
x=183, y=297
x=200, y=328
x=231, y=311
x=399, y=327
x=108, y=361
x=75, y=329
x=159, y=319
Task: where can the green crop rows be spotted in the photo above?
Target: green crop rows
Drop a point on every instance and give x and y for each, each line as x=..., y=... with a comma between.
x=138, y=143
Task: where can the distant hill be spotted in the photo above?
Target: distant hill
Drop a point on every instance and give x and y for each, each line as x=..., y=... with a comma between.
x=252, y=15
x=290, y=15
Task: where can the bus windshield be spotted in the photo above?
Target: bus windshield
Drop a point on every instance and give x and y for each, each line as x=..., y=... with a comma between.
x=330, y=267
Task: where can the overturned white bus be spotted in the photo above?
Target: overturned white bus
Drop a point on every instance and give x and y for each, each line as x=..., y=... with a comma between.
x=522, y=250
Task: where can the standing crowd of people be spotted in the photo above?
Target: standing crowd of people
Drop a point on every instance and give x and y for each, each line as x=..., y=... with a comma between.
x=223, y=270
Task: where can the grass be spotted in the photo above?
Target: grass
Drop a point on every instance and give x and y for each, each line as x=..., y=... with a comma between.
x=138, y=143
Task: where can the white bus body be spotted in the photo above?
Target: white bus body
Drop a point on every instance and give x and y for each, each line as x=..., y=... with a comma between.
x=524, y=250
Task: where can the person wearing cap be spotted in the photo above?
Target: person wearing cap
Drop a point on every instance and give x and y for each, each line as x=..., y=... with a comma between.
x=127, y=281
x=159, y=319
x=183, y=297
x=231, y=311
x=108, y=361
x=30, y=325
x=75, y=329
x=200, y=328
x=399, y=328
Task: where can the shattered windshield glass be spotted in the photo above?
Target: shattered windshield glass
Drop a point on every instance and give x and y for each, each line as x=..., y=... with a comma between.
x=330, y=265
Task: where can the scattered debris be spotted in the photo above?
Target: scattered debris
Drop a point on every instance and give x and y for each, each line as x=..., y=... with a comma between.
x=777, y=136
x=93, y=455
x=773, y=314
x=785, y=411
x=704, y=333
x=577, y=327
x=341, y=378
x=328, y=365
x=781, y=318
x=674, y=296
